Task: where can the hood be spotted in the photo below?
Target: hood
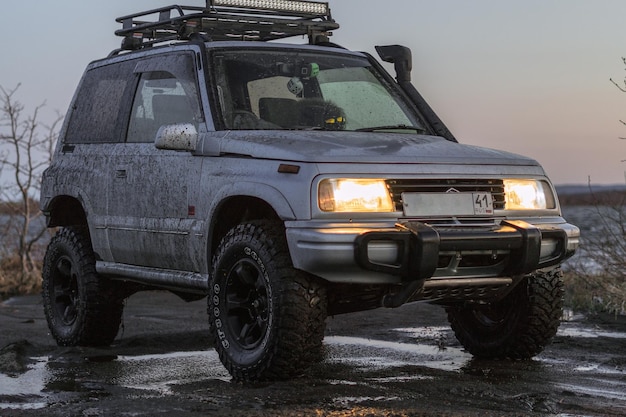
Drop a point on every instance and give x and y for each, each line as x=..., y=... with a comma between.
x=361, y=147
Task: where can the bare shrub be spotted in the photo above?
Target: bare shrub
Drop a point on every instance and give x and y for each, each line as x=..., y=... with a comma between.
x=603, y=279
x=597, y=281
x=26, y=147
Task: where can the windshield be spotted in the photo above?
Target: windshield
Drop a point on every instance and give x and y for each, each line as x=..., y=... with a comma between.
x=278, y=89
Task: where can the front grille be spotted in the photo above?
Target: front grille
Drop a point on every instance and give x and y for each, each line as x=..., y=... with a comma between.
x=399, y=186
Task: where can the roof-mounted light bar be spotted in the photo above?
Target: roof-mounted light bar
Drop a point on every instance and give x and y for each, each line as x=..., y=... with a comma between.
x=313, y=8
x=223, y=20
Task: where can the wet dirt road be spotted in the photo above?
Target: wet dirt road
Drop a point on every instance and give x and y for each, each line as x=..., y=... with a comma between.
x=403, y=362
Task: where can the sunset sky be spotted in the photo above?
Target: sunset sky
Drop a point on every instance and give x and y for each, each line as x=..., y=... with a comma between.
x=529, y=77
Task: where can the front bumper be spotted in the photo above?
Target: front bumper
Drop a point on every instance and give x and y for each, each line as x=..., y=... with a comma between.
x=413, y=251
x=516, y=247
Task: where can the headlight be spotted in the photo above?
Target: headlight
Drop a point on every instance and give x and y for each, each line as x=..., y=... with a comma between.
x=354, y=195
x=528, y=195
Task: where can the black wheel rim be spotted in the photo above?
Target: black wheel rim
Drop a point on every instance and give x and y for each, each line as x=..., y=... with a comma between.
x=492, y=317
x=247, y=308
x=495, y=318
x=65, y=290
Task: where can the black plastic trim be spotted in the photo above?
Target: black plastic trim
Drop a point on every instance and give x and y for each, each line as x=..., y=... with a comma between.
x=419, y=246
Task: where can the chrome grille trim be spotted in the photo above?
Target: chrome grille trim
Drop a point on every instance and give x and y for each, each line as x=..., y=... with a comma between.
x=416, y=185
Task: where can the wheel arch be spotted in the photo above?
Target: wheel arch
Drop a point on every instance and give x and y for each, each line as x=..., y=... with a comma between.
x=245, y=202
x=65, y=210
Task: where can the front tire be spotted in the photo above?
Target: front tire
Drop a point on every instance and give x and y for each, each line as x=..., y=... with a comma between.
x=517, y=327
x=267, y=319
x=82, y=308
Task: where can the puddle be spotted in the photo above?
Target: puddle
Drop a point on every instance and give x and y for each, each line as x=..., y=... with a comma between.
x=24, y=391
x=350, y=401
x=342, y=382
x=615, y=393
x=588, y=332
x=27, y=383
x=407, y=378
x=22, y=406
x=394, y=354
x=156, y=373
x=70, y=374
x=161, y=372
x=435, y=332
x=567, y=328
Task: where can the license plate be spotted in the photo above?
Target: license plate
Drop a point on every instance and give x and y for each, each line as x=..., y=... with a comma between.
x=448, y=204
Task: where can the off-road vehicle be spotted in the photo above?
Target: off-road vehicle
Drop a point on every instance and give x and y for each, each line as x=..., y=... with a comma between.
x=285, y=183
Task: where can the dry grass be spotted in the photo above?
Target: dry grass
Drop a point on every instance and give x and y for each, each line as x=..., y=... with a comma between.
x=14, y=282
x=16, y=277
x=595, y=293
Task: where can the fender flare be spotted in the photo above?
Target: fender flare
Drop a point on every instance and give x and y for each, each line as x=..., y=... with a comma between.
x=70, y=191
x=269, y=194
x=272, y=196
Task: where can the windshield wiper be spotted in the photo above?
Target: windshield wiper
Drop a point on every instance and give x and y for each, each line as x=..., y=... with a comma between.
x=390, y=127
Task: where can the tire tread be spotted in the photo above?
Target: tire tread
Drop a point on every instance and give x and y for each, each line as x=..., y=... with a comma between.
x=100, y=310
x=301, y=299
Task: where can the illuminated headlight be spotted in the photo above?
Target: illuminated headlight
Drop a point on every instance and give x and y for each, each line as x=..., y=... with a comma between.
x=354, y=195
x=528, y=195
x=296, y=6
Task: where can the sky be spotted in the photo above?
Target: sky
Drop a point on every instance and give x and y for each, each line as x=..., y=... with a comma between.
x=529, y=77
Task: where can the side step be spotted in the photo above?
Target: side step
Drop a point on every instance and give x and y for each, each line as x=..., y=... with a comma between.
x=165, y=278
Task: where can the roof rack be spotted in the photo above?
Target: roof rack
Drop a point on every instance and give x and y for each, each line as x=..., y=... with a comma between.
x=259, y=20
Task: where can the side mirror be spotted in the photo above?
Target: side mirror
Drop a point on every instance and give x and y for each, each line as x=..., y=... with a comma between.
x=178, y=137
x=402, y=59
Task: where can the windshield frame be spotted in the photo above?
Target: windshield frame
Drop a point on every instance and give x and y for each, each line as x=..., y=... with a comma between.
x=412, y=122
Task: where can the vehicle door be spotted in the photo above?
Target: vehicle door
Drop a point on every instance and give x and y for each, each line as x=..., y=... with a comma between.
x=93, y=134
x=150, y=221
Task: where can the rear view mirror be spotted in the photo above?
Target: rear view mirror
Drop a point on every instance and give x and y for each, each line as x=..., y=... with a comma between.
x=178, y=137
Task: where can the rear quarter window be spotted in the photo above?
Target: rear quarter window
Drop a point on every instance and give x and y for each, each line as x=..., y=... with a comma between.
x=100, y=108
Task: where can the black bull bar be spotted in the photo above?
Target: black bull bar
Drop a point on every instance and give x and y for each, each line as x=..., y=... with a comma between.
x=419, y=246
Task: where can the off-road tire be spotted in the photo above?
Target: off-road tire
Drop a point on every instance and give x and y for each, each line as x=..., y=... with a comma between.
x=519, y=326
x=267, y=319
x=82, y=308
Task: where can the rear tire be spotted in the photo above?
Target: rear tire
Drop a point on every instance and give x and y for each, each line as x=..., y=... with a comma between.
x=82, y=308
x=267, y=319
x=519, y=326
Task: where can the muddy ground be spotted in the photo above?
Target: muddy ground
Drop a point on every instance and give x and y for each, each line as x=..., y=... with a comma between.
x=403, y=362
